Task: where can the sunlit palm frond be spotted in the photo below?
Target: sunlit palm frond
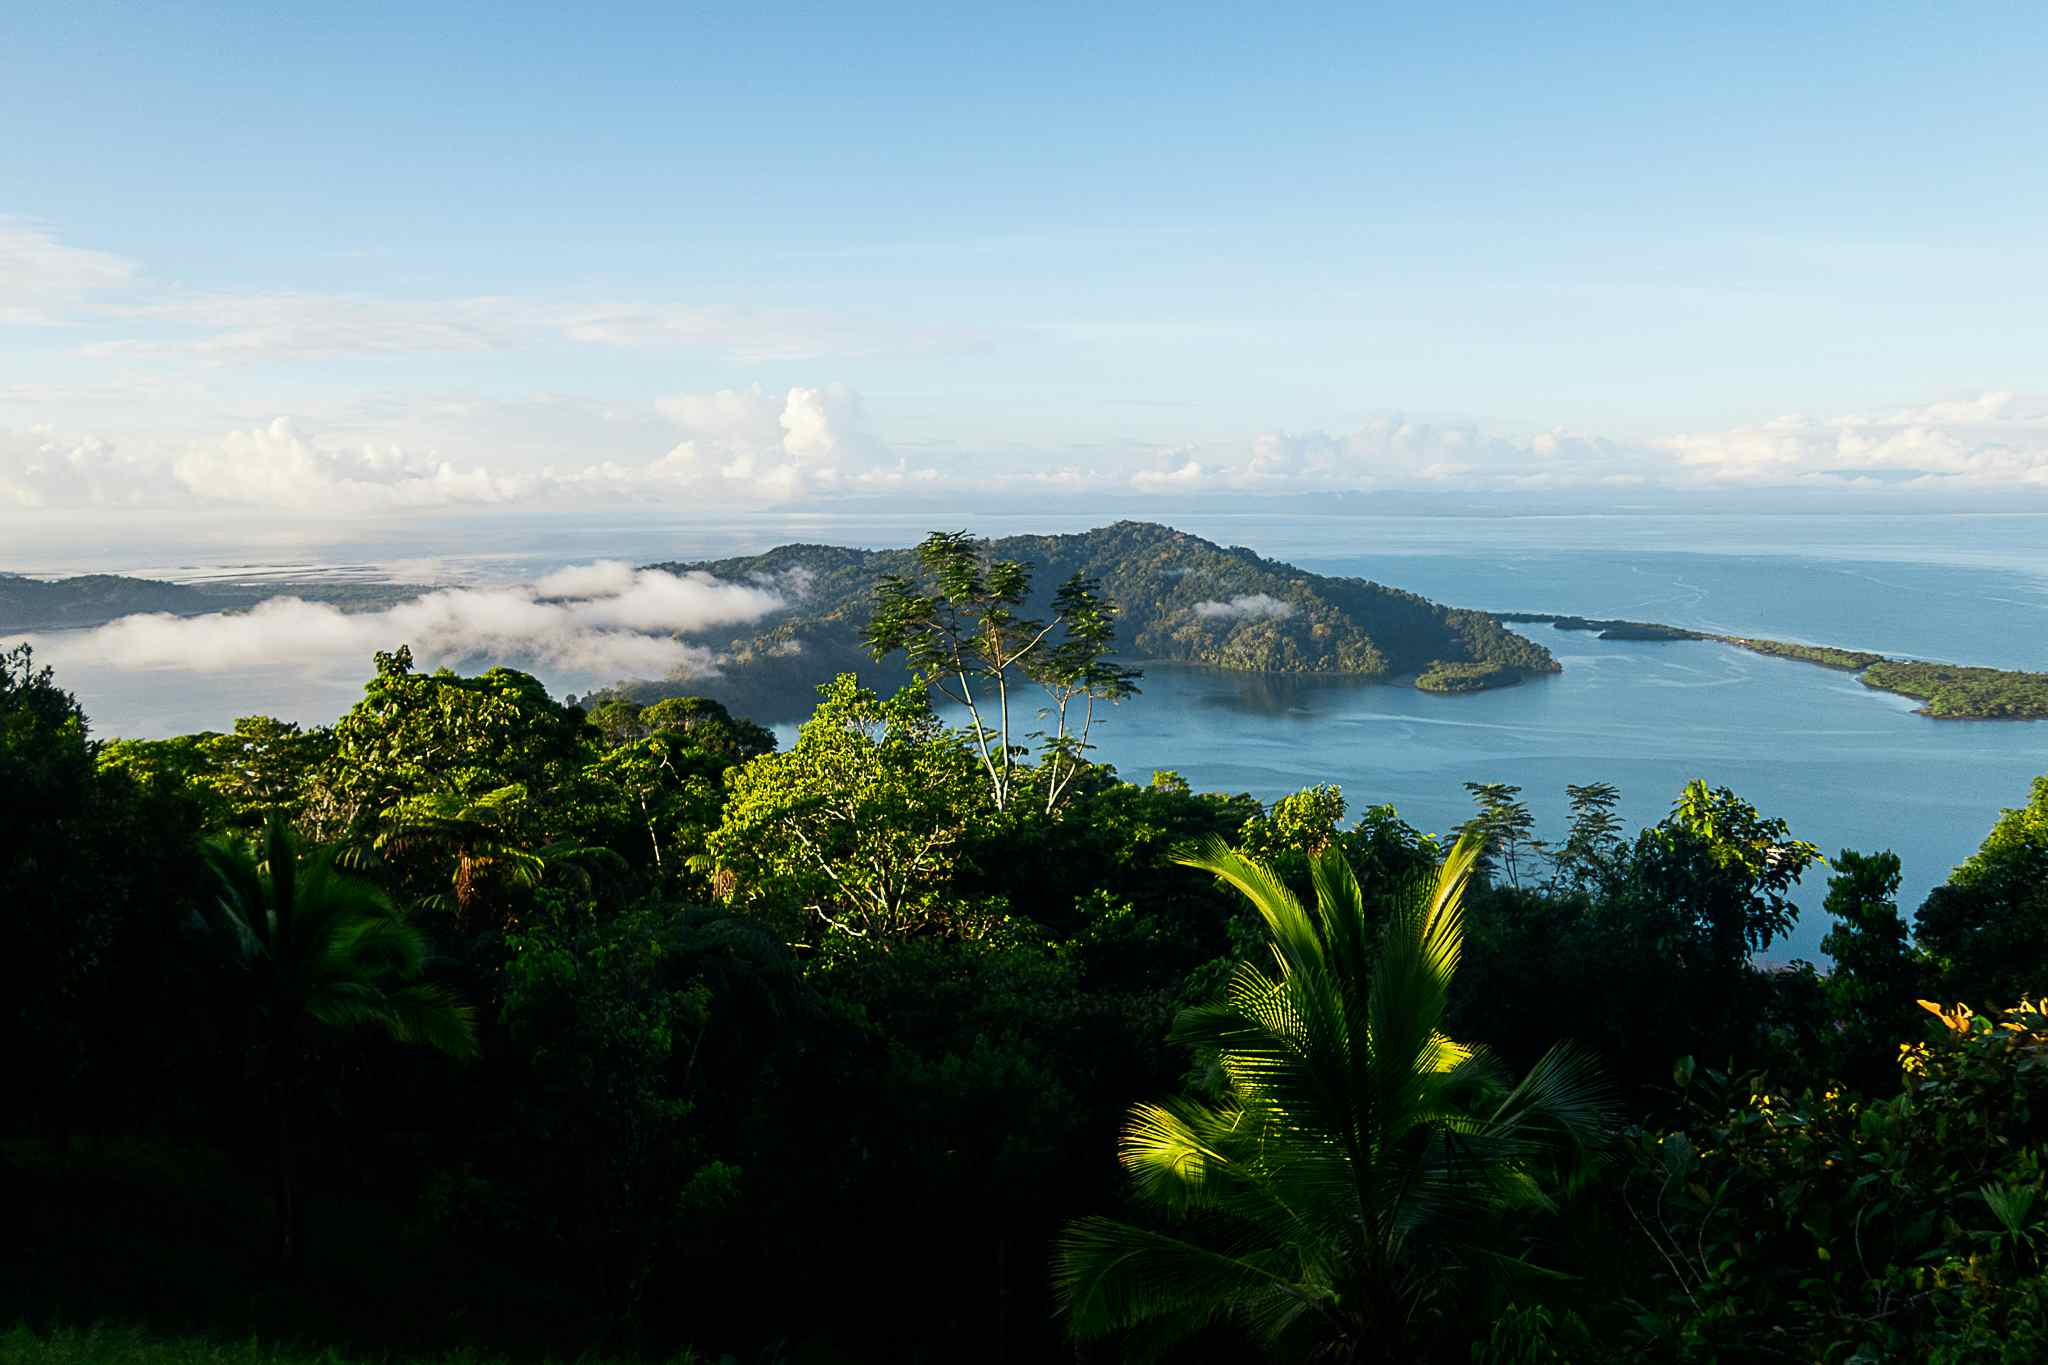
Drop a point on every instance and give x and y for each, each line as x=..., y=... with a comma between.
x=1167, y=1150
x=1358, y=1145
x=1292, y=932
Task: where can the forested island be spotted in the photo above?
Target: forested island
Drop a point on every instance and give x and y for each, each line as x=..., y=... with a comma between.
x=484, y=1024
x=1950, y=691
x=1179, y=599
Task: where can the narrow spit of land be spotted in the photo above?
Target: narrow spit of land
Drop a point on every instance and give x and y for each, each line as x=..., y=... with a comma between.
x=1945, y=691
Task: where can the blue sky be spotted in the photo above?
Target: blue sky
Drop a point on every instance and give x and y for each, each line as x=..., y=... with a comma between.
x=377, y=258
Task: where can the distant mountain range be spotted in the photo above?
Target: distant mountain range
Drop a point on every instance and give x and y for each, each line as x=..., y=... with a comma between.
x=33, y=604
x=1180, y=599
x=95, y=599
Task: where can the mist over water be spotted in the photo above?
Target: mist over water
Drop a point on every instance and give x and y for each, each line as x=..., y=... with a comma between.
x=1845, y=765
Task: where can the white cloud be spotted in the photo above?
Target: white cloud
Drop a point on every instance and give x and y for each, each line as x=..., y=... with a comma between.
x=1185, y=477
x=604, y=620
x=1257, y=606
x=731, y=447
x=755, y=446
x=1991, y=440
x=42, y=280
x=42, y=468
x=1392, y=451
x=1985, y=442
x=277, y=466
x=604, y=578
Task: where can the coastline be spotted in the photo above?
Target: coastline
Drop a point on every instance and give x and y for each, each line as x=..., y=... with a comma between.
x=1946, y=691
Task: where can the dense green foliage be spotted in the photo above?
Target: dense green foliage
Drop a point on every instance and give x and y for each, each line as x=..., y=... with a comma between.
x=1824, y=1225
x=1987, y=929
x=1449, y=677
x=480, y=1021
x=1178, y=598
x=1954, y=692
x=1848, y=660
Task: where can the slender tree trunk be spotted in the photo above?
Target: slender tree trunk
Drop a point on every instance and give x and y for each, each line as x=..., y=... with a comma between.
x=652, y=838
x=1003, y=702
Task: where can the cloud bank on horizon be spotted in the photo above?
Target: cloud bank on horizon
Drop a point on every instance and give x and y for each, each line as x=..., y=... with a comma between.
x=129, y=416
x=606, y=619
x=759, y=447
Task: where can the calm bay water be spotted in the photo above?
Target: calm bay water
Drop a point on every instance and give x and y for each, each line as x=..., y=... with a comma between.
x=1846, y=766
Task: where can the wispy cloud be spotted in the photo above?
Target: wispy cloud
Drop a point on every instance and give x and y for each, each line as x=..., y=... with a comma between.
x=606, y=620
x=1256, y=606
x=43, y=281
x=48, y=282
x=302, y=326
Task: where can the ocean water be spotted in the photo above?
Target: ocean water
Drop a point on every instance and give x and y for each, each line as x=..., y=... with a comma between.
x=1846, y=766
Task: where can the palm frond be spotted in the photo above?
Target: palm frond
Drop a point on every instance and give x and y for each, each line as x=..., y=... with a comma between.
x=429, y=1014
x=329, y=946
x=1166, y=1149
x=1109, y=1277
x=1563, y=1094
x=1293, y=933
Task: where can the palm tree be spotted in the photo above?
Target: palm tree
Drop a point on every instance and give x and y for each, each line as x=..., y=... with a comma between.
x=1358, y=1158
x=323, y=952
x=481, y=835
x=484, y=841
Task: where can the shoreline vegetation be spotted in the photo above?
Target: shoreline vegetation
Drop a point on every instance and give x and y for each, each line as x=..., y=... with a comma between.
x=1946, y=691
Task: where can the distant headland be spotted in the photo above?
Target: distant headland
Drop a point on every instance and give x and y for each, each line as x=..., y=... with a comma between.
x=1946, y=691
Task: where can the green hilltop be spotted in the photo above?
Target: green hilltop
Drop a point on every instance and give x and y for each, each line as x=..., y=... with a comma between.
x=1180, y=599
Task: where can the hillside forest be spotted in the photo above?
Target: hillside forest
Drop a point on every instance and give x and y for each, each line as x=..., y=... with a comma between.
x=480, y=1022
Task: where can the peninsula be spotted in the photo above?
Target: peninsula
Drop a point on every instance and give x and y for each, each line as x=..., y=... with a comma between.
x=1946, y=691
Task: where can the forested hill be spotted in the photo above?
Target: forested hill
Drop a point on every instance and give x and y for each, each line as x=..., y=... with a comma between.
x=1180, y=598
x=95, y=599
x=33, y=604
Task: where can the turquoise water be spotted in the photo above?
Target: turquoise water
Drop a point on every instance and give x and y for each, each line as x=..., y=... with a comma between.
x=1847, y=767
